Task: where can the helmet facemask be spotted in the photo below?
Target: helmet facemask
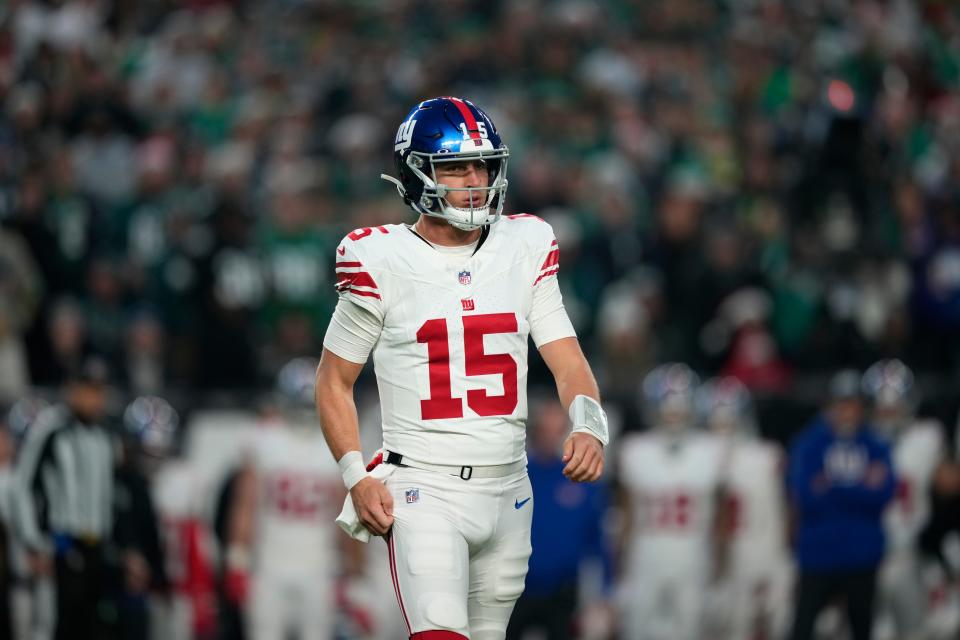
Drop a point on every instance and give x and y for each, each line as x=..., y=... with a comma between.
x=433, y=198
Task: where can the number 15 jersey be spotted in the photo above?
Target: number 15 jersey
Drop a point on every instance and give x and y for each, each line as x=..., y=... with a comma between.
x=451, y=356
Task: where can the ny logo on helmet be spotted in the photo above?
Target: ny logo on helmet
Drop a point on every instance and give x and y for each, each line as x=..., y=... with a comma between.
x=405, y=135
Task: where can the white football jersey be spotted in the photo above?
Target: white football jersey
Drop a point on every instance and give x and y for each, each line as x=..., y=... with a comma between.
x=451, y=359
x=917, y=452
x=178, y=496
x=753, y=480
x=299, y=492
x=672, y=487
x=178, y=491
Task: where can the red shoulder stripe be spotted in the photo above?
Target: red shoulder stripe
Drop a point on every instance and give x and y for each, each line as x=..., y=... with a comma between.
x=550, y=272
x=553, y=259
x=355, y=279
x=358, y=292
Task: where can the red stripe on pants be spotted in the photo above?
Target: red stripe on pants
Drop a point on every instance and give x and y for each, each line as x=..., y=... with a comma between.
x=396, y=581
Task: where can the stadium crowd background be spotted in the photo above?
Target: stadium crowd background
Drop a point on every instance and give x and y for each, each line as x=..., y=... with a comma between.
x=767, y=189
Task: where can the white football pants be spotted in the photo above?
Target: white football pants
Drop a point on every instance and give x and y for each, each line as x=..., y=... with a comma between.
x=459, y=550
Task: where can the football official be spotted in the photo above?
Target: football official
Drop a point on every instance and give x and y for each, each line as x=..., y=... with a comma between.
x=63, y=500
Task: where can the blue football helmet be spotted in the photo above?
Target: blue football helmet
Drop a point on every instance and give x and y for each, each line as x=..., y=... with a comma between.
x=296, y=381
x=449, y=130
x=668, y=396
x=889, y=383
x=725, y=406
x=24, y=413
x=153, y=423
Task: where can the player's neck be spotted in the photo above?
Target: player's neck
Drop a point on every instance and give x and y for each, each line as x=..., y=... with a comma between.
x=441, y=232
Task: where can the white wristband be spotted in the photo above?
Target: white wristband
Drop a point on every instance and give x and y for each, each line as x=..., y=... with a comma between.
x=588, y=416
x=352, y=468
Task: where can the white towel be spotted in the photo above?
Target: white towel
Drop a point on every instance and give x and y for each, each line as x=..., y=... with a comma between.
x=348, y=519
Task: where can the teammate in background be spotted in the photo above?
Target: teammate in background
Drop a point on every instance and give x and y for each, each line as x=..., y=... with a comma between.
x=840, y=480
x=280, y=525
x=138, y=568
x=669, y=477
x=754, y=560
x=919, y=449
x=446, y=306
x=178, y=495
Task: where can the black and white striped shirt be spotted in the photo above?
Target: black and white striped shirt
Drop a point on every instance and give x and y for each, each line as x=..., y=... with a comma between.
x=64, y=481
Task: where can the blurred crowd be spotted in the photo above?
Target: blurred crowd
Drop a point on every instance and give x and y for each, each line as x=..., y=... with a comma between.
x=763, y=189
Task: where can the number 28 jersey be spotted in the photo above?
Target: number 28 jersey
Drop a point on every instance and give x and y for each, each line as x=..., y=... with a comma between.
x=451, y=358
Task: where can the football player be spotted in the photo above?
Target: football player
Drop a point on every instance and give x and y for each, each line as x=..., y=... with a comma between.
x=280, y=530
x=756, y=573
x=446, y=306
x=919, y=448
x=184, y=533
x=669, y=478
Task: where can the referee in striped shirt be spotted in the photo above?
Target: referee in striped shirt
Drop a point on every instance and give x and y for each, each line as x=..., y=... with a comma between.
x=63, y=500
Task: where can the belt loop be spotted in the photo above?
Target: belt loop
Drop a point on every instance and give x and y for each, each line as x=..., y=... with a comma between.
x=466, y=470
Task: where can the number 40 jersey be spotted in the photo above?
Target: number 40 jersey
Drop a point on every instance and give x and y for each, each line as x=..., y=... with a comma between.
x=451, y=356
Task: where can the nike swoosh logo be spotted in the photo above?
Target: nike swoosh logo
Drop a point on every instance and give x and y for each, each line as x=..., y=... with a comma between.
x=341, y=250
x=517, y=503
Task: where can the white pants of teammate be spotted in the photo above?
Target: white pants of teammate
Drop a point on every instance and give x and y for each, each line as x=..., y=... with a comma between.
x=755, y=600
x=901, y=593
x=662, y=606
x=283, y=603
x=459, y=550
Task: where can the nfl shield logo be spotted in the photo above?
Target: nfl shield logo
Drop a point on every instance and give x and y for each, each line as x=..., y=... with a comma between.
x=464, y=277
x=413, y=495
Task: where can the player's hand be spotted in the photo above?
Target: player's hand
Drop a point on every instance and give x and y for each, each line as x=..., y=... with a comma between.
x=597, y=621
x=40, y=563
x=583, y=454
x=374, y=505
x=136, y=572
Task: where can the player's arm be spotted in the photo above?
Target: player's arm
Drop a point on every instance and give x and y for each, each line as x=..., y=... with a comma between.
x=722, y=529
x=240, y=532
x=335, y=406
x=336, y=377
x=946, y=474
x=354, y=329
x=579, y=395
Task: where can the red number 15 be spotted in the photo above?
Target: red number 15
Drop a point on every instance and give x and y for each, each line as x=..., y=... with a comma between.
x=441, y=403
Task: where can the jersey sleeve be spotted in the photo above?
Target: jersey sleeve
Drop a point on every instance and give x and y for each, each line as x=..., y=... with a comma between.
x=355, y=280
x=353, y=332
x=548, y=318
x=549, y=261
